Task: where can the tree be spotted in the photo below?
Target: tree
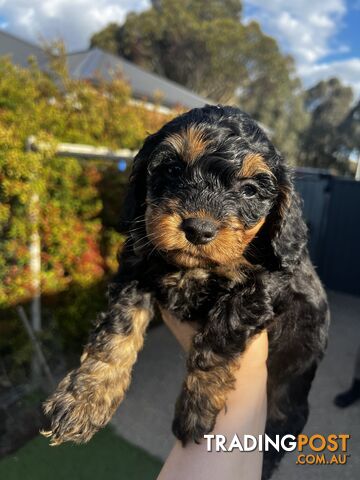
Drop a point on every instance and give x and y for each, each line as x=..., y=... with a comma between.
x=208, y=9
x=271, y=92
x=203, y=45
x=328, y=103
x=183, y=41
x=349, y=130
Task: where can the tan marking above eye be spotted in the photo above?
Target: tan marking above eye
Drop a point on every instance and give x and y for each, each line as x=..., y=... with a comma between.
x=253, y=164
x=189, y=143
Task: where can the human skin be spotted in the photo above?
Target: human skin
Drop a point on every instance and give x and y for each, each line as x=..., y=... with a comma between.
x=245, y=415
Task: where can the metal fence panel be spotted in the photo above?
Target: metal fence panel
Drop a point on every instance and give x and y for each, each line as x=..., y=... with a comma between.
x=314, y=190
x=331, y=208
x=341, y=265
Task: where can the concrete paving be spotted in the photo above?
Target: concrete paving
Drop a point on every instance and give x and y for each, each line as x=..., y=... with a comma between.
x=145, y=416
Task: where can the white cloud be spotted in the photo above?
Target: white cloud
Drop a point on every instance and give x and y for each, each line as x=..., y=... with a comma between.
x=306, y=29
x=72, y=20
x=348, y=70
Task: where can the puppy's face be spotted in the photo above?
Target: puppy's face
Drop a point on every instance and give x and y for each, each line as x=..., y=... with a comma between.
x=207, y=197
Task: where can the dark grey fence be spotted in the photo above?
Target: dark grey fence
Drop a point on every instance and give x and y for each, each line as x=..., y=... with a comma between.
x=332, y=213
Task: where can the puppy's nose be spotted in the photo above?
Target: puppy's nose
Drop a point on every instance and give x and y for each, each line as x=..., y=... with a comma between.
x=199, y=230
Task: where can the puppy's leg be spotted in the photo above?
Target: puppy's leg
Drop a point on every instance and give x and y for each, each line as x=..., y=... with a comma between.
x=204, y=392
x=88, y=396
x=215, y=356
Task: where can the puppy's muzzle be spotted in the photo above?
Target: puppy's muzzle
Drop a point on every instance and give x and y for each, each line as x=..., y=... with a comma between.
x=199, y=231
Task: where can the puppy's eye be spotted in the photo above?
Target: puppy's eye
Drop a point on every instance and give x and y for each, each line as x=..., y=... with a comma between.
x=248, y=190
x=172, y=170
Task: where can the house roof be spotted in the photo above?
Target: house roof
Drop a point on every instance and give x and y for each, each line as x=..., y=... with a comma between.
x=93, y=63
x=20, y=50
x=145, y=85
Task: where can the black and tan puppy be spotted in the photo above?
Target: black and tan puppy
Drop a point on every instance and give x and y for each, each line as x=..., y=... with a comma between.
x=215, y=235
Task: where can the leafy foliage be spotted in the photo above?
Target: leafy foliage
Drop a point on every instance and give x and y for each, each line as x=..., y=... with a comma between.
x=70, y=222
x=78, y=237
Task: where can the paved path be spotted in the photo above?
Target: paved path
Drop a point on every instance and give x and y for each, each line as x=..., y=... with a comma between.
x=145, y=416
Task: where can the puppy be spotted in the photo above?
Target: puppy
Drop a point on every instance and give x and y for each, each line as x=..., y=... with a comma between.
x=216, y=236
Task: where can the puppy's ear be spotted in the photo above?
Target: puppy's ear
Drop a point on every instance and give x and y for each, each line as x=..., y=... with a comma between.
x=288, y=234
x=134, y=202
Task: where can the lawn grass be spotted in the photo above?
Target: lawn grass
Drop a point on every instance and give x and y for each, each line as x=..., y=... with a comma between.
x=107, y=457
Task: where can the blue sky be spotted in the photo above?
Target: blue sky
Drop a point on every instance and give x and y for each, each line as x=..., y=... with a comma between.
x=349, y=34
x=322, y=35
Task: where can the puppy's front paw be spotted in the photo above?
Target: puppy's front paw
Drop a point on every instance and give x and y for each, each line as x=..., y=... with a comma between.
x=194, y=418
x=76, y=411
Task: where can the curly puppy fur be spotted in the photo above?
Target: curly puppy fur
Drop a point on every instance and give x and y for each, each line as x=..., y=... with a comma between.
x=215, y=235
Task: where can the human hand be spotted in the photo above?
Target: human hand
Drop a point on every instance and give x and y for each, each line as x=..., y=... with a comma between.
x=245, y=414
x=253, y=358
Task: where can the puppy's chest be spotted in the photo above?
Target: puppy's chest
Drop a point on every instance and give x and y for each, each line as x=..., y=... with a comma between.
x=191, y=294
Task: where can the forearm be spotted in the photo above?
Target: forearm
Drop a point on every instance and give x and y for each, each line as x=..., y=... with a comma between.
x=245, y=414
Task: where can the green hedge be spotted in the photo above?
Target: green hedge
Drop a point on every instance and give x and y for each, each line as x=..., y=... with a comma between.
x=79, y=202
